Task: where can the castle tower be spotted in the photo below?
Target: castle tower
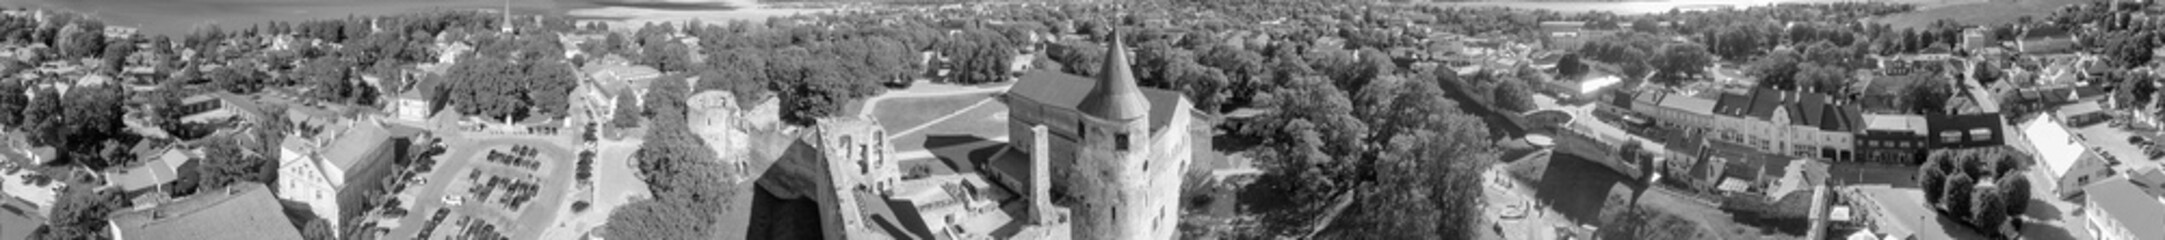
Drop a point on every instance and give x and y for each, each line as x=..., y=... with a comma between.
x=1118, y=192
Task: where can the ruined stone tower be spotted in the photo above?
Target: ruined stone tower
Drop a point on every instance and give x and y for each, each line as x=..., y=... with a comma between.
x=1120, y=195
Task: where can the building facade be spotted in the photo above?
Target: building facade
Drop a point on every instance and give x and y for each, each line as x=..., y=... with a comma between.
x=1118, y=150
x=330, y=173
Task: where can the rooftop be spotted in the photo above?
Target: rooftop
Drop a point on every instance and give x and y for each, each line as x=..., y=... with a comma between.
x=1898, y=123
x=1061, y=89
x=2052, y=143
x=2129, y=205
x=356, y=143
x=244, y=211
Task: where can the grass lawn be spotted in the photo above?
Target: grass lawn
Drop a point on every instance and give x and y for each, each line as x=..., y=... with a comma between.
x=987, y=121
x=897, y=114
x=1982, y=13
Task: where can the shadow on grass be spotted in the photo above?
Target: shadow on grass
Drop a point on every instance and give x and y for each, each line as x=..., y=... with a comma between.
x=963, y=153
x=1571, y=185
x=2039, y=231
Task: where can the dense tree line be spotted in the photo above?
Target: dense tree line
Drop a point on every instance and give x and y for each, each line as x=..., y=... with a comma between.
x=1981, y=187
x=685, y=177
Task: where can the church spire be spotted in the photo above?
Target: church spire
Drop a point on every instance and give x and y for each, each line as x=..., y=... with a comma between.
x=1116, y=96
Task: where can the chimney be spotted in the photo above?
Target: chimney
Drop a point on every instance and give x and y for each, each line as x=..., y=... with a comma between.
x=1040, y=177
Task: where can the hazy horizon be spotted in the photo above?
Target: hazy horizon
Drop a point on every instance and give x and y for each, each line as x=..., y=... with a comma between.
x=182, y=16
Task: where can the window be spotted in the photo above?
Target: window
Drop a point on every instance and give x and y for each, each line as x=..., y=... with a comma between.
x=1120, y=142
x=1950, y=136
x=1981, y=134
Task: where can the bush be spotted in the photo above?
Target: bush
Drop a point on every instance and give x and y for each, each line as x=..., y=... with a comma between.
x=1956, y=198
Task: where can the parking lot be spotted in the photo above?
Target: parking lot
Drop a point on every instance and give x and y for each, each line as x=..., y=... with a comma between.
x=491, y=188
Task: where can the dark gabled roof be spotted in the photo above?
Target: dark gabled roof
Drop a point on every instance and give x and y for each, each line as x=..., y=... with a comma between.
x=1734, y=105
x=1764, y=102
x=1053, y=88
x=1809, y=109
x=1938, y=122
x=1842, y=118
x=1062, y=90
x=1621, y=99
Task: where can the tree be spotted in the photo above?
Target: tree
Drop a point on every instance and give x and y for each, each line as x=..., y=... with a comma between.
x=1570, y=66
x=2017, y=196
x=1680, y=63
x=224, y=164
x=1932, y=179
x=1959, y=191
x=627, y=112
x=317, y=229
x=667, y=56
x=80, y=214
x=1823, y=79
x=1777, y=69
x=1646, y=25
x=12, y=101
x=1989, y=206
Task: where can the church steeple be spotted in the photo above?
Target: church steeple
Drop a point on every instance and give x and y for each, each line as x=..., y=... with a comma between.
x=1116, y=96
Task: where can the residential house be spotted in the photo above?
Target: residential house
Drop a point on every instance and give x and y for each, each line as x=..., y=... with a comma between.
x=145, y=182
x=1965, y=130
x=2116, y=209
x=1899, y=139
x=331, y=173
x=242, y=211
x=1799, y=124
x=2063, y=157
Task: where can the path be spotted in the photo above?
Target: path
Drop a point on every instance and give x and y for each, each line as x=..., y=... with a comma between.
x=937, y=121
x=922, y=90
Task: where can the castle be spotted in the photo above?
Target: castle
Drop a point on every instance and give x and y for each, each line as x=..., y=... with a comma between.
x=1115, y=153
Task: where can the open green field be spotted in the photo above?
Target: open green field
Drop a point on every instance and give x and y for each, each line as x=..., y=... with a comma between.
x=987, y=121
x=904, y=113
x=1982, y=13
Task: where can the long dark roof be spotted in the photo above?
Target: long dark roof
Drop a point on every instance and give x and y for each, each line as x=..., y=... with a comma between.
x=1803, y=108
x=1063, y=90
x=242, y=211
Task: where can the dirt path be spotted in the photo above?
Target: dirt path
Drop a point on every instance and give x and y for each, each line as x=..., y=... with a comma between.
x=921, y=91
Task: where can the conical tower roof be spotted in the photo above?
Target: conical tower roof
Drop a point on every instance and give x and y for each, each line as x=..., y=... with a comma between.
x=1116, y=97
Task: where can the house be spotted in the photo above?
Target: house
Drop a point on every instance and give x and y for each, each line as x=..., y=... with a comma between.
x=1675, y=111
x=1800, y=124
x=145, y=181
x=242, y=211
x=331, y=173
x=2048, y=39
x=1965, y=130
x=2063, y=157
x=2118, y=210
x=1896, y=139
x=413, y=105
